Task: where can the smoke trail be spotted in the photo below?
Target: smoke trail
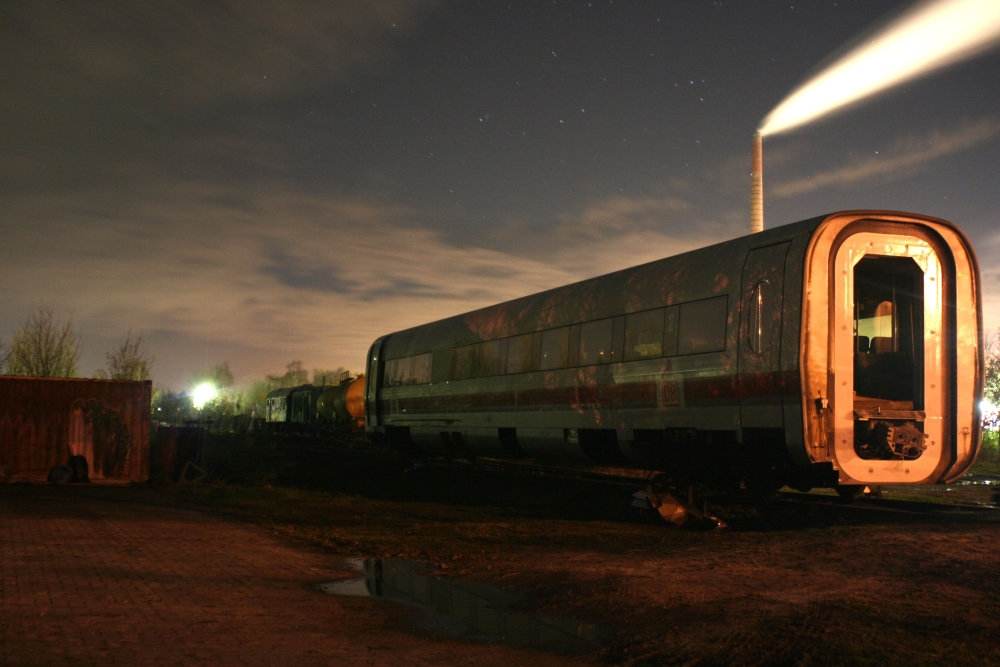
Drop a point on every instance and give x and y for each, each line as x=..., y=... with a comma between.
x=931, y=35
x=907, y=156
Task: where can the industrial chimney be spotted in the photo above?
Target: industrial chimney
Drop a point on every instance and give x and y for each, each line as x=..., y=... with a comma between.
x=757, y=185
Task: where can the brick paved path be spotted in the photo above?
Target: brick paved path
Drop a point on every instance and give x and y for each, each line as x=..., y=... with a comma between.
x=96, y=577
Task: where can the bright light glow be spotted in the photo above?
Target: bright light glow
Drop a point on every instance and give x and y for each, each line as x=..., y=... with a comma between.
x=933, y=34
x=202, y=394
x=990, y=414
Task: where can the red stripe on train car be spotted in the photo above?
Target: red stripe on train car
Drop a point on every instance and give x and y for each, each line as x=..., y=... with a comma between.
x=719, y=390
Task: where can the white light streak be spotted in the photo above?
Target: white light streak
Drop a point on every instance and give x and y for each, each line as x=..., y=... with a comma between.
x=932, y=35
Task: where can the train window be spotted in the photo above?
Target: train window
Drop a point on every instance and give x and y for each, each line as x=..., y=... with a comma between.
x=888, y=330
x=595, y=342
x=618, y=340
x=875, y=326
x=573, y=349
x=761, y=315
x=463, y=362
x=396, y=371
x=554, y=349
x=644, y=334
x=488, y=359
x=504, y=344
x=522, y=353
x=421, y=373
x=703, y=326
x=670, y=332
x=408, y=371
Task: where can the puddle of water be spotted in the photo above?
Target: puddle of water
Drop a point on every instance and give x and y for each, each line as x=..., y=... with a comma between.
x=467, y=610
x=354, y=587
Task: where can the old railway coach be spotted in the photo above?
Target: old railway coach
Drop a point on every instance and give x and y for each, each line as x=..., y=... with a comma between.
x=846, y=349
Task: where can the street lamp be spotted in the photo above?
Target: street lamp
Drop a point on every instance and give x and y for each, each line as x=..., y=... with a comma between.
x=202, y=394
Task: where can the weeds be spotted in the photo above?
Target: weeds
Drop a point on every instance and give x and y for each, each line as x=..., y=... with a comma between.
x=990, y=451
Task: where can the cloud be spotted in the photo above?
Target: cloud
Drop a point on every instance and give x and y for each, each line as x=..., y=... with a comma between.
x=907, y=156
x=279, y=275
x=611, y=233
x=988, y=252
x=125, y=92
x=192, y=52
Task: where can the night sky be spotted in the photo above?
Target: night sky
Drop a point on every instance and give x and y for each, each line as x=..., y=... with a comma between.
x=261, y=181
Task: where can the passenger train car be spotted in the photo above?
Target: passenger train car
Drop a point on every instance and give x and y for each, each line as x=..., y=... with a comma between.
x=845, y=349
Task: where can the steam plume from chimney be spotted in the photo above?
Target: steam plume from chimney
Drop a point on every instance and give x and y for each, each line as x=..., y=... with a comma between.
x=931, y=35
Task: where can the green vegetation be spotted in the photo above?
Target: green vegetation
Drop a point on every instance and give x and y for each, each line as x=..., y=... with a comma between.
x=990, y=453
x=226, y=412
x=46, y=346
x=129, y=361
x=232, y=408
x=219, y=376
x=43, y=346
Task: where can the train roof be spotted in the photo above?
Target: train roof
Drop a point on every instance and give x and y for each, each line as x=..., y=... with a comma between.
x=696, y=274
x=580, y=301
x=287, y=391
x=280, y=392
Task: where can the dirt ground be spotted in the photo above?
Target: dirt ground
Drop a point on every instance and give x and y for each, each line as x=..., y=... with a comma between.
x=121, y=576
x=785, y=584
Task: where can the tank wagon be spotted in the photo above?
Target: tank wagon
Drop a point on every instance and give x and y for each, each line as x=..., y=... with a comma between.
x=315, y=409
x=845, y=349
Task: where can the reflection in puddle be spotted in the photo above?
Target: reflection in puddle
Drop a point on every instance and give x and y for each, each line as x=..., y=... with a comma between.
x=468, y=610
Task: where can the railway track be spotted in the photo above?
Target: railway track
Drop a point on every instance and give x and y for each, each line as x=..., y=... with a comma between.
x=636, y=479
x=899, y=506
x=363, y=448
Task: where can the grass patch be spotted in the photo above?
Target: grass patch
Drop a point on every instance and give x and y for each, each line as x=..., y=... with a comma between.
x=986, y=468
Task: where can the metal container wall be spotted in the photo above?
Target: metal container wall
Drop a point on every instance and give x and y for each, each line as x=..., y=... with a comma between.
x=44, y=421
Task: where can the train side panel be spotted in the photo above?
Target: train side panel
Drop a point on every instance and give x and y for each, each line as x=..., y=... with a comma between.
x=676, y=396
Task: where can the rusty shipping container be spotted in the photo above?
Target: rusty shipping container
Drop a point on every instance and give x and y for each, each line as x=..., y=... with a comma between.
x=44, y=421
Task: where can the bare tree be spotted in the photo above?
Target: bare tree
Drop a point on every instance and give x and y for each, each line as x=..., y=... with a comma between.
x=295, y=375
x=4, y=356
x=129, y=361
x=44, y=346
x=223, y=376
x=325, y=376
x=219, y=375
